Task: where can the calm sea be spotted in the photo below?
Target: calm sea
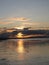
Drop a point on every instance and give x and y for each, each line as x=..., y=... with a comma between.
x=24, y=51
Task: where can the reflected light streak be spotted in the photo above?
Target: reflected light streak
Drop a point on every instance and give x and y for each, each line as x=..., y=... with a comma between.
x=20, y=48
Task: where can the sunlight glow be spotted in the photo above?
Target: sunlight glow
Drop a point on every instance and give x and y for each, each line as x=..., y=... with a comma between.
x=19, y=28
x=20, y=46
x=19, y=35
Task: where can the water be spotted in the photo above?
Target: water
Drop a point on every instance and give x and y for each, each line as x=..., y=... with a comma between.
x=24, y=51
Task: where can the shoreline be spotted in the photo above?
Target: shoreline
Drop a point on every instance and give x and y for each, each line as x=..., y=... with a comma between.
x=24, y=38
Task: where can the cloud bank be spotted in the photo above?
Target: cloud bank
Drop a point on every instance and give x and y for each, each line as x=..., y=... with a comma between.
x=13, y=20
x=22, y=21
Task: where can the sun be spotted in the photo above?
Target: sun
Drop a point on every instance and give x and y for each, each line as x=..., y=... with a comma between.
x=19, y=35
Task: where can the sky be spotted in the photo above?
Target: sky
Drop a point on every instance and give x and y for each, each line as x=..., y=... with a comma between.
x=24, y=13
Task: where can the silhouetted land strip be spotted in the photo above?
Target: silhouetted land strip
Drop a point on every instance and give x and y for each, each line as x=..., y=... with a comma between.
x=23, y=38
x=34, y=33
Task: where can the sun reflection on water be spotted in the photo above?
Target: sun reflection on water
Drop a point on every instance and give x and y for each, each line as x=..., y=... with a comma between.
x=20, y=48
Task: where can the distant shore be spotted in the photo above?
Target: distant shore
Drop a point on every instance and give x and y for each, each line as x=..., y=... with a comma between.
x=25, y=34
x=24, y=38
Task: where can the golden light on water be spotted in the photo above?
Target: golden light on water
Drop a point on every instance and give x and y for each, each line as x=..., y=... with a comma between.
x=20, y=48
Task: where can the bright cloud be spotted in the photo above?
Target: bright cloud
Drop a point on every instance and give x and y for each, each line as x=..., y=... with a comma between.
x=4, y=23
x=31, y=23
x=13, y=20
x=22, y=21
x=19, y=19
